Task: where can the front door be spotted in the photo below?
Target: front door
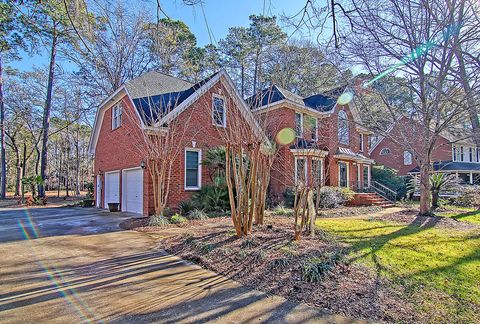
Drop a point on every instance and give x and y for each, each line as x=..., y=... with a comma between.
x=342, y=174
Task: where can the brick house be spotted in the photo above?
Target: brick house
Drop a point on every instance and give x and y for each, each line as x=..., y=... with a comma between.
x=454, y=154
x=204, y=110
x=329, y=146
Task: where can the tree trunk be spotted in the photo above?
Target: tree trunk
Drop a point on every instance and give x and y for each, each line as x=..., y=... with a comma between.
x=3, y=176
x=425, y=189
x=46, y=112
x=311, y=212
x=243, y=81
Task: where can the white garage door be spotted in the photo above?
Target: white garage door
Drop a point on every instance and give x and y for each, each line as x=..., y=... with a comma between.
x=112, y=188
x=132, y=191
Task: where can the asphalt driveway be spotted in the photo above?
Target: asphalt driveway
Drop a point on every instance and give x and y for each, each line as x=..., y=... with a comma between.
x=76, y=265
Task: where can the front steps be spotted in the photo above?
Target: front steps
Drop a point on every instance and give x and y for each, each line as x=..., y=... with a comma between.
x=370, y=199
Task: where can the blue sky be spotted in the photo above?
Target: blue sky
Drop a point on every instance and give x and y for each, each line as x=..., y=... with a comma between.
x=220, y=16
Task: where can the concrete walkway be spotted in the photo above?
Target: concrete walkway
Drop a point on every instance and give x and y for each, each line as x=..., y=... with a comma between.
x=95, y=275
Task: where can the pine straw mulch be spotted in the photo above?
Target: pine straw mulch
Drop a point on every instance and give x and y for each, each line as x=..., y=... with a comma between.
x=270, y=261
x=410, y=216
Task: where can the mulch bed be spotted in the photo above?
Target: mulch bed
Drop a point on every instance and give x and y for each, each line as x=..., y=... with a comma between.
x=270, y=261
x=410, y=216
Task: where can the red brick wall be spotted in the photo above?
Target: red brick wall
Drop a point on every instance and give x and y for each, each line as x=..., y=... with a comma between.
x=442, y=152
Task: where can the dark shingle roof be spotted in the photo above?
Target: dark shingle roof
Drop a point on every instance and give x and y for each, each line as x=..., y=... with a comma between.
x=319, y=102
x=156, y=105
x=452, y=166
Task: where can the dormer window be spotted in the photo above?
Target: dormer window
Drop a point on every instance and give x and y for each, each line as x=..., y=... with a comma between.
x=218, y=112
x=116, y=116
x=298, y=124
x=343, y=134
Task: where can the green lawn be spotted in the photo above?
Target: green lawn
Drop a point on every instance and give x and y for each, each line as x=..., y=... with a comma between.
x=465, y=214
x=439, y=268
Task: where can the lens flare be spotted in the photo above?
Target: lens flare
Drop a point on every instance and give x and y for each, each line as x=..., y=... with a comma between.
x=285, y=136
x=69, y=294
x=345, y=98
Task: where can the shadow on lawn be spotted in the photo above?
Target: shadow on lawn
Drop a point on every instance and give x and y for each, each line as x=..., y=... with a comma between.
x=472, y=213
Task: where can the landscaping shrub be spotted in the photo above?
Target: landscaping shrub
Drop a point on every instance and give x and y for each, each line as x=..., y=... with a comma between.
x=197, y=214
x=389, y=178
x=279, y=264
x=332, y=197
x=470, y=197
x=205, y=248
x=281, y=210
x=186, y=207
x=314, y=269
x=158, y=220
x=178, y=219
x=213, y=197
x=249, y=243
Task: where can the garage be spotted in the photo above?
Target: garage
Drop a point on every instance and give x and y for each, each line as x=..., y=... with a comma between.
x=112, y=188
x=132, y=190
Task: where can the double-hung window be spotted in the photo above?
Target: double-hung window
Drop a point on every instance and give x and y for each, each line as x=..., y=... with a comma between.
x=361, y=142
x=407, y=158
x=343, y=132
x=314, y=122
x=116, y=116
x=218, y=112
x=298, y=124
x=193, y=170
x=317, y=172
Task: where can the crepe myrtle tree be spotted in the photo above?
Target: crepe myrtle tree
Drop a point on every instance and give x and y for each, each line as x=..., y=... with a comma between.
x=249, y=155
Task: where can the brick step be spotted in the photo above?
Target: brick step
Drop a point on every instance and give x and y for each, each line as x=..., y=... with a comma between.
x=372, y=199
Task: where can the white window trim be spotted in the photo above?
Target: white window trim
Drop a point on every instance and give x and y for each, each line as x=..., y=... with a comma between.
x=305, y=168
x=199, y=173
x=359, y=175
x=301, y=125
x=224, y=125
x=454, y=153
x=315, y=135
x=348, y=173
x=362, y=144
x=117, y=109
x=405, y=154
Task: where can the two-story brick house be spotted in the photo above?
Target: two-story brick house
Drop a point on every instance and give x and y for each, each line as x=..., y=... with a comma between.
x=453, y=153
x=329, y=146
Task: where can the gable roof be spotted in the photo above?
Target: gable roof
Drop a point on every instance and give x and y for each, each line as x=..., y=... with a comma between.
x=153, y=107
x=154, y=83
x=323, y=103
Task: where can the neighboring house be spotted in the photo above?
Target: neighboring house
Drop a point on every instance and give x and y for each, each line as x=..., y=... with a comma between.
x=330, y=145
x=204, y=109
x=453, y=154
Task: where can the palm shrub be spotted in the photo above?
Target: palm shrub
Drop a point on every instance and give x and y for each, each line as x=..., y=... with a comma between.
x=439, y=182
x=215, y=161
x=186, y=207
x=213, y=197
